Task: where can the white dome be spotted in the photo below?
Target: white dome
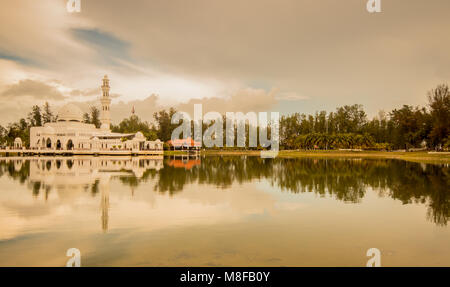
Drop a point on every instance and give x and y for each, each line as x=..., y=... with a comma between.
x=70, y=113
x=139, y=135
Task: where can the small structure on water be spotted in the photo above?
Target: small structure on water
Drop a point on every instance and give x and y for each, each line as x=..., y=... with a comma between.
x=185, y=144
x=18, y=143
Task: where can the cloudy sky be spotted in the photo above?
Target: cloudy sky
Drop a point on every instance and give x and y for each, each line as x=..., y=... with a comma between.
x=287, y=56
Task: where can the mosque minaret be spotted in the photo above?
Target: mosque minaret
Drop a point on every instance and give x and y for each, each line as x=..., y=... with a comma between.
x=105, y=117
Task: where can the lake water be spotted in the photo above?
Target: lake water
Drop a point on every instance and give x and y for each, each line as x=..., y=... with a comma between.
x=223, y=211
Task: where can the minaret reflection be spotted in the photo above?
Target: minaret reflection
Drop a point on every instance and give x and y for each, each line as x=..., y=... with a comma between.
x=104, y=204
x=71, y=177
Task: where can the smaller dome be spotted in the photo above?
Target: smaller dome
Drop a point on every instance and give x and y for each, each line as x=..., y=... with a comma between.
x=70, y=113
x=139, y=135
x=18, y=143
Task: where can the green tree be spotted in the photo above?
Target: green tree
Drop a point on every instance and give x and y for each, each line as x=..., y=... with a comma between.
x=3, y=135
x=95, y=117
x=47, y=115
x=289, y=129
x=18, y=130
x=410, y=126
x=133, y=124
x=86, y=118
x=35, y=117
x=439, y=102
x=320, y=122
x=165, y=127
x=350, y=119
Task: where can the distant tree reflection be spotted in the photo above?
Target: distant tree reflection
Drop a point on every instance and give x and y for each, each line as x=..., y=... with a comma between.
x=343, y=179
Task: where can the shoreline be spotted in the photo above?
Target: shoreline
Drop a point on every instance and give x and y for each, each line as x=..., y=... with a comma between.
x=418, y=156
x=421, y=157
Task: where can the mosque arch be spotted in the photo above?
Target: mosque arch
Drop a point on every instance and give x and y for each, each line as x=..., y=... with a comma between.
x=58, y=144
x=49, y=143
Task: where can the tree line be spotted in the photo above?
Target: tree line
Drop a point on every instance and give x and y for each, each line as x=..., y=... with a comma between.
x=38, y=116
x=348, y=127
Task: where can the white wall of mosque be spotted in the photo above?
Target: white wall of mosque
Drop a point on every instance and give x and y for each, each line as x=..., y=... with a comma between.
x=82, y=141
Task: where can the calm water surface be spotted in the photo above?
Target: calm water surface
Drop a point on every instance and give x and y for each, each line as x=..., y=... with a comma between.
x=222, y=211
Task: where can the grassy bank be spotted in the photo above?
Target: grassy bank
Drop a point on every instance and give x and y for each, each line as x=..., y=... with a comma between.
x=410, y=156
x=175, y=152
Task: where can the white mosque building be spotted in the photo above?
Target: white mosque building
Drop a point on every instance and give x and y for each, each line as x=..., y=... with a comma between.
x=70, y=135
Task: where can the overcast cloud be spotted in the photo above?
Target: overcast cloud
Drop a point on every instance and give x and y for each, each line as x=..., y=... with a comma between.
x=288, y=55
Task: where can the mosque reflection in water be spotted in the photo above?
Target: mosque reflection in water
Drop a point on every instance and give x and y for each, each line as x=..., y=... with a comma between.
x=346, y=180
x=71, y=175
